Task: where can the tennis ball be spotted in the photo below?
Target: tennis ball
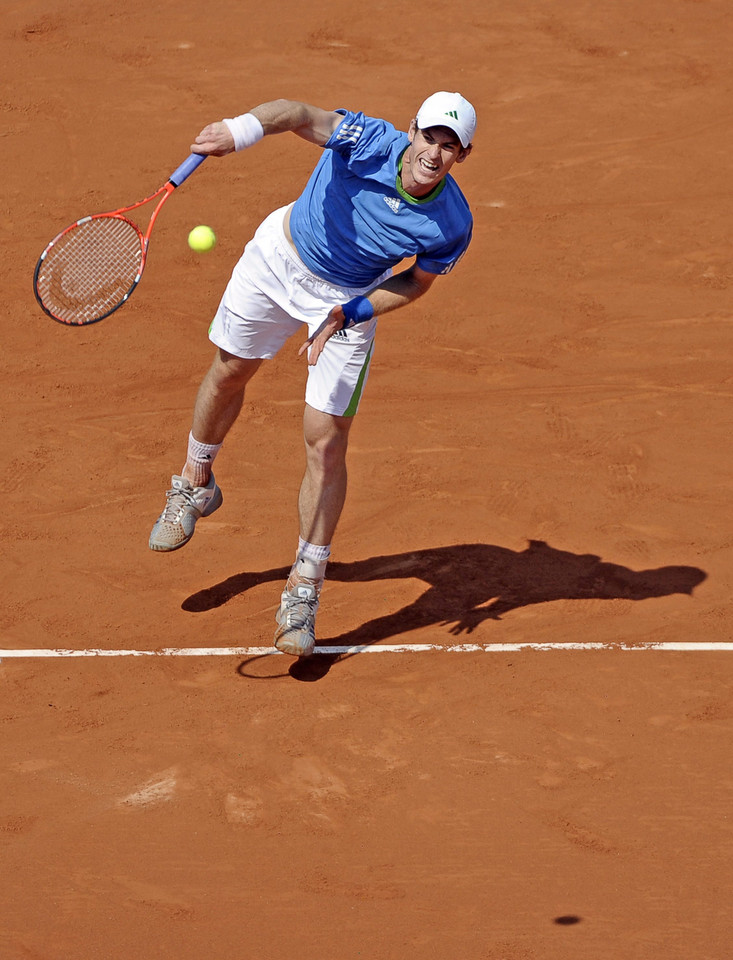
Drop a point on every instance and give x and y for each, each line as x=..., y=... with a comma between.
x=201, y=238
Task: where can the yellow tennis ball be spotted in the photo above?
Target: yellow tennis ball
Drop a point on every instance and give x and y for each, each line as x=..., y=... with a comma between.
x=201, y=238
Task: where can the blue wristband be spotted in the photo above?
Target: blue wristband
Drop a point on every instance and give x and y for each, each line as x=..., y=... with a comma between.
x=356, y=311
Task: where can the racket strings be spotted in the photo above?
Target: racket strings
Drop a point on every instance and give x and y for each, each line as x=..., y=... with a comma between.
x=90, y=269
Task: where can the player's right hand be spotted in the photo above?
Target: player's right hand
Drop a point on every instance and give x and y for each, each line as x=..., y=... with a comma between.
x=215, y=140
x=315, y=344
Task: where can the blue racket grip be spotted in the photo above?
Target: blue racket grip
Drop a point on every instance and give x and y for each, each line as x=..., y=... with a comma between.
x=191, y=163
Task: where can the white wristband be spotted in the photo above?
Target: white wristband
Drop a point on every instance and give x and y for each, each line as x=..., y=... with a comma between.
x=246, y=130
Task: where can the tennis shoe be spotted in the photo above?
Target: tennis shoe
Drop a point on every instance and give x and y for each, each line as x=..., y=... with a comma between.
x=296, y=619
x=185, y=504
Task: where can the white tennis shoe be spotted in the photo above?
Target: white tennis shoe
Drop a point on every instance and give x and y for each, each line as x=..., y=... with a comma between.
x=185, y=504
x=296, y=619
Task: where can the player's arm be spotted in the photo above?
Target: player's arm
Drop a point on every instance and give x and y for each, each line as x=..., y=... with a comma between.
x=276, y=116
x=396, y=291
x=310, y=123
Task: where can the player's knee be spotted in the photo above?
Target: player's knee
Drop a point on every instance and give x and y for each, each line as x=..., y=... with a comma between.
x=326, y=447
x=230, y=373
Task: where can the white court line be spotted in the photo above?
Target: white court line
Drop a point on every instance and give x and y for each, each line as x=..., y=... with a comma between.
x=682, y=646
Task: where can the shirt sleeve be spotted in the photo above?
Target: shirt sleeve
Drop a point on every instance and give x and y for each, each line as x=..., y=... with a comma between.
x=444, y=259
x=359, y=137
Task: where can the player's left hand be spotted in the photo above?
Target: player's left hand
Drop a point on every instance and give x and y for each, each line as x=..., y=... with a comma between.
x=315, y=344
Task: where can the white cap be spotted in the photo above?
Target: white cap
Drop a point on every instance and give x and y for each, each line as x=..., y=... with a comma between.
x=449, y=110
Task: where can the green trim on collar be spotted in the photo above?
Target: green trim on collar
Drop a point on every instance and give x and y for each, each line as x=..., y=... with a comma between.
x=405, y=195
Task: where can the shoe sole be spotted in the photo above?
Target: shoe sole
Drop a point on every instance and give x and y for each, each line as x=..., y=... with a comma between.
x=213, y=504
x=286, y=644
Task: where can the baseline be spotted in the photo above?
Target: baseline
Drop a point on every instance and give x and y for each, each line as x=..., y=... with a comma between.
x=673, y=646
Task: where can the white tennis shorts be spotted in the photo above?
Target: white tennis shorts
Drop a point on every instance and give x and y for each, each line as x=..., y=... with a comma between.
x=269, y=297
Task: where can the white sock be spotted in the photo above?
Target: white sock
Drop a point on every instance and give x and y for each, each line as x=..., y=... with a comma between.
x=312, y=559
x=199, y=459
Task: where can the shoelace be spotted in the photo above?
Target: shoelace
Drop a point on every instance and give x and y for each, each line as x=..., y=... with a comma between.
x=176, y=500
x=300, y=610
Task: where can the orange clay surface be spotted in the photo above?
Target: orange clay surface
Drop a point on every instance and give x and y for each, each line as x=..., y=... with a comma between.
x=543, y=455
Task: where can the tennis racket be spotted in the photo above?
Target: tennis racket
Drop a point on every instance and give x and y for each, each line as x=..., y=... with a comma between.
x=93, y=266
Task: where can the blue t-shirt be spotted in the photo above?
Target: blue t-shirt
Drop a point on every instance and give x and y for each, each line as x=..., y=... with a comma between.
x=353, y=221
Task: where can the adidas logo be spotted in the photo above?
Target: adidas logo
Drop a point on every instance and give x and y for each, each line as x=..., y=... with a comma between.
x=340, y=335
x=452, y=113
x=393, y=203
x=350, y=133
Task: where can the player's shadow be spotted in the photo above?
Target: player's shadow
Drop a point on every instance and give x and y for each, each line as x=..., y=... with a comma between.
x=469, y=584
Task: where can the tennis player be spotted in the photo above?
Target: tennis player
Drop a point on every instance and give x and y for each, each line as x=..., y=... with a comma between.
x=377, y=196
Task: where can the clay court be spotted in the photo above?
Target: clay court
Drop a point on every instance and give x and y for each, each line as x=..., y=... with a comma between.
x=541, y=468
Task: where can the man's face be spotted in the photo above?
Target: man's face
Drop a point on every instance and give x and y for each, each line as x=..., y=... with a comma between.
x=431, y=154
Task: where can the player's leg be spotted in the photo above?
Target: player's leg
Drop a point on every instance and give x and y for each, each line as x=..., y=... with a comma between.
x=218, y=404
x=321, y=500
x=323, y=489
x=194, y=493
